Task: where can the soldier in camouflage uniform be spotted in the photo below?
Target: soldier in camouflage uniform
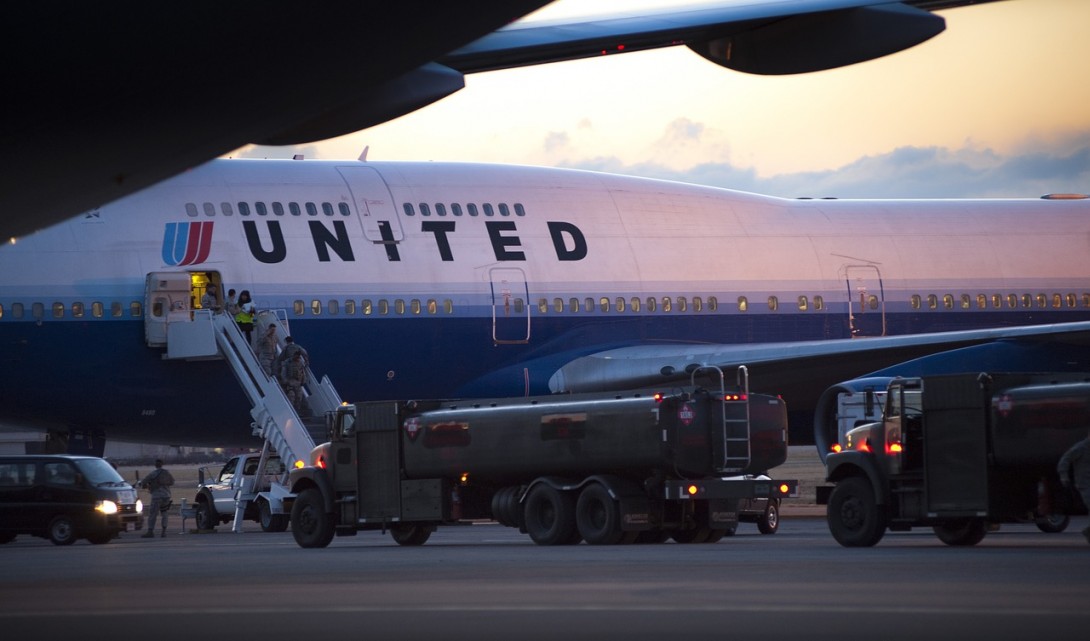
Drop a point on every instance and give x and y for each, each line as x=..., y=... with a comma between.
x=158, y=483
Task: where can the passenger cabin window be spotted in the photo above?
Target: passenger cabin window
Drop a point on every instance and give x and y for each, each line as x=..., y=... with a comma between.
x=365, y=306
x=209, y=210
x=383, y=307
x=652, y=303
x=932, y=301
x=667, y=305
x=298, y=307
x=948, y=301
x=713, y=303
x=58, y=310
x=682, y=304
x=803, y=304
x=966, y=301
x=773, y=303
x=634, y=303
x=819, y=303
x=191, y=210
x=350, y=307
x=315, y=307
x=916, y=301
x=698, y=304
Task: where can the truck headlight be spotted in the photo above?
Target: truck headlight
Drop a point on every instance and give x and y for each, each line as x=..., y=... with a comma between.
x=139, y=506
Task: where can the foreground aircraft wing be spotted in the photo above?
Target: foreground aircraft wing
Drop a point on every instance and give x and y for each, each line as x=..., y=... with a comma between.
x=107, y=100
x=801, y=371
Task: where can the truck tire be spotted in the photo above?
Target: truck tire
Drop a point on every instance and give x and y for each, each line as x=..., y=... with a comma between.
x=310, y=525
x=410, y=534
x=270, y=522
x=855, y=519
x=205, y=516
x=598, y=516
x=1053, y=523
x=961, y=532
x=62, y=530
x=769, y=521
x=549, y=515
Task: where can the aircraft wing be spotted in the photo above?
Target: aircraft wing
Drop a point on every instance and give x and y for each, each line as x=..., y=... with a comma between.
x=783, y=37
x=104, y=101
x=802, y=371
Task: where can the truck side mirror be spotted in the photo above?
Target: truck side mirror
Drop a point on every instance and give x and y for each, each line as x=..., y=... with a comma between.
x=200, y=476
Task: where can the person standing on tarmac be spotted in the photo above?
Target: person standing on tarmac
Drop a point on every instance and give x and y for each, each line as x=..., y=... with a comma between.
x=158, y=483
x=266, y=349
x=1074, y=469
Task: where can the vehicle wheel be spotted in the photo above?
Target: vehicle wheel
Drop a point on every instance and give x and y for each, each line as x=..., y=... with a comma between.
x=205, y=517
x=98, y=538
x=549, y=515
x=695, y=535
x=855, y=519
x=310, y=525
x=962, y=532
x=411, y=534
x=270, y=522
x=770, y=520
x=62, y=531
x=1053, y=523
x=598, y=516
x=6, y=537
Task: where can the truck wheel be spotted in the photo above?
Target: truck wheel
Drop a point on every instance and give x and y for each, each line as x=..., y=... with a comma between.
x=310, y=525
x=205, y=517
x=769, y=522
x=62, y=530
x=1053, y=523
x=270, y=522
x=598, y=516
x=962, y=532
x=855, y=519
x=410, y=534
x=549, y=515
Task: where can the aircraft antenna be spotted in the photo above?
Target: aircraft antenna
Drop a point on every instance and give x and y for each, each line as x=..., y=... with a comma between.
x=363, y=156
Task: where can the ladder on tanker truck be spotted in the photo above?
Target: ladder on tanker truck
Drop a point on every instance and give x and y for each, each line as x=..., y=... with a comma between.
x=735, y=455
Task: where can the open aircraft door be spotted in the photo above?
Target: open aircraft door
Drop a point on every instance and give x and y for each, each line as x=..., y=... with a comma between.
x=171, y=297
x=374, y=205
x=866, y=300
x=510, y=306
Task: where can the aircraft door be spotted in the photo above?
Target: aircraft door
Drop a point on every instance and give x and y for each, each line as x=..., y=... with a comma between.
x=375, y=208
x=171, y=297
x=510, y=306
x=866, y=300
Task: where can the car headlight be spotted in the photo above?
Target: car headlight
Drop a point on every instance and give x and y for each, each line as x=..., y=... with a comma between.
x=106, y=507
x=139, y=506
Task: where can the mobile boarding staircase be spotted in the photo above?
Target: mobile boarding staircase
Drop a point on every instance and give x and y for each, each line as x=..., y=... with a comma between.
x=208, y=336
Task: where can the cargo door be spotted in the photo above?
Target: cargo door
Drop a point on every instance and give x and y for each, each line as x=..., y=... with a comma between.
x=866, y=300
x=510, y=306
x=374, y=205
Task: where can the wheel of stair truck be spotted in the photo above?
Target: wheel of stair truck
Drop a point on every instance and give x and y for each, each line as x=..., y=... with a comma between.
x=310, y=525
x=961, y=532
x=405, y=534
x=270, y=522
x=205, y=516
x=598, y=516
x=769, y=522
x=855, y=518
x=549, y=516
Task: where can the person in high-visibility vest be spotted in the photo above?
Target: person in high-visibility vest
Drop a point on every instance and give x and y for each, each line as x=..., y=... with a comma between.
x=245, y=315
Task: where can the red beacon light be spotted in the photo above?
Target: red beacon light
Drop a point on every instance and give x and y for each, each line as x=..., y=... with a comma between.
x=658, y=396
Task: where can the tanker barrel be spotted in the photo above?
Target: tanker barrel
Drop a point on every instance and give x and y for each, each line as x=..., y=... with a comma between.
x=1035, y=424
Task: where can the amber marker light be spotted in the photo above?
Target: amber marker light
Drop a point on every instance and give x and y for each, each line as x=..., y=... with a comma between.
x=784, y=488
x=298, y=464
x=693, y=489
x=835, y=448
x=895, y=448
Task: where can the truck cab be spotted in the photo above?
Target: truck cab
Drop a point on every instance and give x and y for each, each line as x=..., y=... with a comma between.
x=960, y=453
x=219, y=490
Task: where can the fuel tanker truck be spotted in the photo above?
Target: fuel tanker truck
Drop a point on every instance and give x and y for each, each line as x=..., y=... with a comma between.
x=600, y=468
x=959, y=453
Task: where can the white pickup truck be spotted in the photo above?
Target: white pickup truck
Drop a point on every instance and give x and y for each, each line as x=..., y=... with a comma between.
x=218, y=493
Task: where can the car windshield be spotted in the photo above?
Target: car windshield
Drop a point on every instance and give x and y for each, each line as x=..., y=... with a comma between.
x=98, y=472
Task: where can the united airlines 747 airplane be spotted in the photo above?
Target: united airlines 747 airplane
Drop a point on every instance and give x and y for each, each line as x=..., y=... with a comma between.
x=413, y=280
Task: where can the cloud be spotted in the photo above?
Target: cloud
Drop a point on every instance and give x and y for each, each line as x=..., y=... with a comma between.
x=556, y=141
x=905, y=172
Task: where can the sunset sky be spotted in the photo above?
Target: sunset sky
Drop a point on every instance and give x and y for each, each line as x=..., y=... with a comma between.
x=997, y=105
